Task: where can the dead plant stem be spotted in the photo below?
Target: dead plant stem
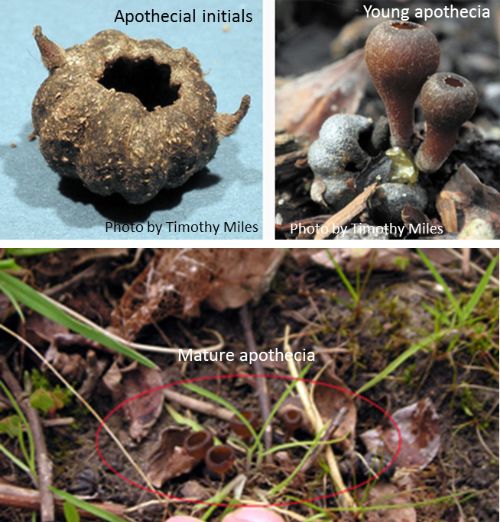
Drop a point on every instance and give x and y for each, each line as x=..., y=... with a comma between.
x=314, y=417
x=43, y=462
x=24, y=498
x=138, y=346
x=262, y=390
x=198, y=405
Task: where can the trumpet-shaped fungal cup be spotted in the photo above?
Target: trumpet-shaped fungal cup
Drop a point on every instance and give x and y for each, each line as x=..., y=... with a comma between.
x=292, y=419
x=400, y=57
x=219, y=460
x=240, y=428
x=447, y=101
x=198, y=443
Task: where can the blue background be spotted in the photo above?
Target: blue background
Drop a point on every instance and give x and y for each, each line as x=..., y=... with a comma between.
x=34, y=204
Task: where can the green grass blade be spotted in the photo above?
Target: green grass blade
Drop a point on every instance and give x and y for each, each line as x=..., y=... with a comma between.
x=14, y=302
x=288, y=390
x=85, y=506
x=185, y=421
x=70, y=512
x=394, y=365
x=480, y=289
x=29, y=252
x=303, y=444
x=439, y=279
x=343, y=277
x=39, y=303
x=221, y=495
x=9, y=264
x=19, y=463
x=284, y=483
x=28, y=455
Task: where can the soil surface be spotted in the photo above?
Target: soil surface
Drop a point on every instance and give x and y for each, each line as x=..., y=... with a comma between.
x=398, y=304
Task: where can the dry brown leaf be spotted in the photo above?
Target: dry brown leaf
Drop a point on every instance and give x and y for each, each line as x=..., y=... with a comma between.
x=386, y=494
x=68, y=352
x=72, y=365
x=304, y=103
x=177, y=281
x=142, y=413
x=329, y=401
x=464, y=198
x=169, y=459
x=247, y=275
x=39, y=330
x=419, y=426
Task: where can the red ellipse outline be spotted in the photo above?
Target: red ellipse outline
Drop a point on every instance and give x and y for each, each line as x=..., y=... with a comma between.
x=247, y=376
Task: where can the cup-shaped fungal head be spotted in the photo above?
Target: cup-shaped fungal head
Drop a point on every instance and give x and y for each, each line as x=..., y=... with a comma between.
x=219, y=460
x=448, y=100
x=292, y=418
x=239, y=427
x=400, y=57
x=198, y=443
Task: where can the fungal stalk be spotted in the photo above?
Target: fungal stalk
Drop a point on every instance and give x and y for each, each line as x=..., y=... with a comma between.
x=400, y=57
x=240, y=428
x=448, y=100
x=293, y=419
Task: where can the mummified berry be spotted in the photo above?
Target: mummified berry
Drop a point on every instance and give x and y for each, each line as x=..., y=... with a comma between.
x=127, y=116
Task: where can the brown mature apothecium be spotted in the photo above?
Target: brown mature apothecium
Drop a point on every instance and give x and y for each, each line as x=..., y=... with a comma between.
x=127, y=116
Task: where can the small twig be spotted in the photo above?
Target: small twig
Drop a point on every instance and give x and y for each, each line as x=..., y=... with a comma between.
x=476, y=267
x=24, y=498
x=466, y=261
x=348, y=213
x=43, y=462
x=326, y=436
x=262, y=391
x=58, y=422
x=198, y=405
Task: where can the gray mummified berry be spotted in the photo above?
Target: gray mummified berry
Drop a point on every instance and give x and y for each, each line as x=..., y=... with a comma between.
x=335, y=157
x=127, y=116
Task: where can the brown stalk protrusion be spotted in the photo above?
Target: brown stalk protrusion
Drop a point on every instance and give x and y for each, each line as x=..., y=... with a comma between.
x=448, y=100
x=226, y=123
x=240, y=428
x=53, y=55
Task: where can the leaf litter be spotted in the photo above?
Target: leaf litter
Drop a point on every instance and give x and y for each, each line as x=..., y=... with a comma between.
x=160, y=440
